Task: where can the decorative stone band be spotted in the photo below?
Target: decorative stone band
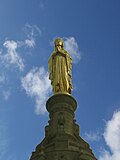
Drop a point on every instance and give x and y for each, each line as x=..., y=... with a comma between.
x=59, y=101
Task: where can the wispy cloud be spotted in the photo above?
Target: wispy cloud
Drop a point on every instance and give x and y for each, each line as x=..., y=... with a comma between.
x=30, y=43
x=72, y=47
x=32, y=31
x=92, y=136
x=11, y=57
x=112, y=138
x=6, y=94
x=37, y=85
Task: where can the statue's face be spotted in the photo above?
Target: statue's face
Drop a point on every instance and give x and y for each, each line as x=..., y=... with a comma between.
x=58, y=42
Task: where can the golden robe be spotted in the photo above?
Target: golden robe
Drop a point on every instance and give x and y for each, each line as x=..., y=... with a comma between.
x=60, y=64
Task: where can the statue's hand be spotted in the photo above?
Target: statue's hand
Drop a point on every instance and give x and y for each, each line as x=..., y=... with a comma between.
x=59, y=51
x=59, y=48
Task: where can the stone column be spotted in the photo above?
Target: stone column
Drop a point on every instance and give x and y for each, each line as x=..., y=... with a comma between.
x=61, y=108
x=62, y=140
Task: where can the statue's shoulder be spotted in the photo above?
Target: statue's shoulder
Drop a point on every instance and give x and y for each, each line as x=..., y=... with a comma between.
x=67, y=53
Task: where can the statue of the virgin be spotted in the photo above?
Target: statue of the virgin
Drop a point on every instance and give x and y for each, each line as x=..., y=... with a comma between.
x=60, y=64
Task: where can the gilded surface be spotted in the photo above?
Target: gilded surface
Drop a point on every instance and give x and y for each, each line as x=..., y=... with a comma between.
x=60, y=64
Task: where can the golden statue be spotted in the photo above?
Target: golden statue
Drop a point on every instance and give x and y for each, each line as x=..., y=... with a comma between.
x=60, y=64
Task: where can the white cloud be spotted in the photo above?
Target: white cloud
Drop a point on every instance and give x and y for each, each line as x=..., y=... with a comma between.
x=32, y=31
x=11, y=57
x=30, y=43
x=112, y=138
x=6, y=94
x=37, y=84
x=92, y=136
x=72, y=47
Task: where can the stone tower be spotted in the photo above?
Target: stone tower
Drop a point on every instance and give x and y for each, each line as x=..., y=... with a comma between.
x=62, y=139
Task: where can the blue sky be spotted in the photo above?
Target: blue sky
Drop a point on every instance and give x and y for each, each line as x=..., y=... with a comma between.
x=91, y=30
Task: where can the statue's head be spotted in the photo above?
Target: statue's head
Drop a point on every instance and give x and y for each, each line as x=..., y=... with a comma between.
x=59, y=42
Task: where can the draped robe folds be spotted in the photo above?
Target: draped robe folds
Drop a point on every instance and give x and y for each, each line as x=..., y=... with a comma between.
x=60, y=64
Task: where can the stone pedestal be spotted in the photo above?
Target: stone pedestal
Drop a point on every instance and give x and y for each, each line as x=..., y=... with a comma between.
x=62, y=140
